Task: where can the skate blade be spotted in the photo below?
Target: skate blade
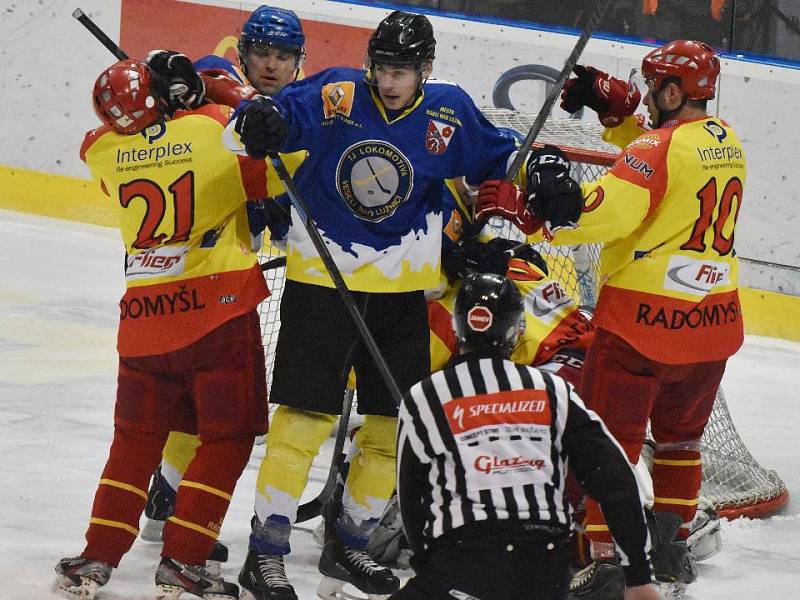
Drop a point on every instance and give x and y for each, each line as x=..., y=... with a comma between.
x=152, y=531
x=174, y=592
x=87, y=590
x=335, y=589
x=214, y=567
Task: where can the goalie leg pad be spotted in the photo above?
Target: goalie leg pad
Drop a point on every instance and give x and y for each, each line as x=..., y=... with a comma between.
x=704, y=539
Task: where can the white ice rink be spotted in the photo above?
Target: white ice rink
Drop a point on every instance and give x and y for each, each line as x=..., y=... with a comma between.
x=58, y=314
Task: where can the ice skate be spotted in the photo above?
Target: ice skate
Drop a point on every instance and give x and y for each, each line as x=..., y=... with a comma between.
x=263, y=577
x=603, y=579
x=80, y=577
x=342, y=566
x=174, y=578
x=670, y=555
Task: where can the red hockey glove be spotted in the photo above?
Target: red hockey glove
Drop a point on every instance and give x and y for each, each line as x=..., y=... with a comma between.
x=611, y=98
x=223, y=88
x=497, y=198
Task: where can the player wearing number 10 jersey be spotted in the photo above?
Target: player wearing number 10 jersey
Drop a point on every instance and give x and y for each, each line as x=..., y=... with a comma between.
x=668, y=314
x=191, y=357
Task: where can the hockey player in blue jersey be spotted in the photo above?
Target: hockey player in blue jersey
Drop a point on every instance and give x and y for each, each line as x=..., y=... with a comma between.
x=380, y=141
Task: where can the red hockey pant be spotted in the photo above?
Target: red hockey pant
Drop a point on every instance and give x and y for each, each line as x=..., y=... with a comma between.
x=215, y=387
x=626, y=389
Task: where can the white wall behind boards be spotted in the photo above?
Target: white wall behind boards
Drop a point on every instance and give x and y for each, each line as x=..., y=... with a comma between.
x=48, y=63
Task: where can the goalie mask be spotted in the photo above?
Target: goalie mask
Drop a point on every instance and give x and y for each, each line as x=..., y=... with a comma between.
x=122, y=98
x=489, y=314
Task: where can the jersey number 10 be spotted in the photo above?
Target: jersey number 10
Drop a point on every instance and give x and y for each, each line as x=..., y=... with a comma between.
x=708, y=203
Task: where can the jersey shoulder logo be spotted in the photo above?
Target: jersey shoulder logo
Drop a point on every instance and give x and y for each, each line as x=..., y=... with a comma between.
x=153, y=132
x=374, y=178
x=438, y=137
x=337, y=98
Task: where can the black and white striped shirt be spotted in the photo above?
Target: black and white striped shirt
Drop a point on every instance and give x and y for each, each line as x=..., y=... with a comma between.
x=486, y=439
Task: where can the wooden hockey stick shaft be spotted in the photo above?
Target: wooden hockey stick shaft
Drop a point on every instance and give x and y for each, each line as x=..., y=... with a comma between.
x=600, y=9
x=313, y=508
x=99, y=34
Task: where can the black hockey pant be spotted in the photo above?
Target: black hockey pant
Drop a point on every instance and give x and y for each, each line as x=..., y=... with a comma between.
x=491, y=568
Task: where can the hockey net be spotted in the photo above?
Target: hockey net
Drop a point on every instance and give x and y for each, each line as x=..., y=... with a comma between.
x=733, y=480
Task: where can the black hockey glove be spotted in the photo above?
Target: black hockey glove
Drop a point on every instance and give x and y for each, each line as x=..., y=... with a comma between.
x=175, y=81
x=471, y=256
x=553, y=195
x=261, y=127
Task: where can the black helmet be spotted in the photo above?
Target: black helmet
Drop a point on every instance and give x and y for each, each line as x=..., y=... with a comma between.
x=402, y=38
x=489, y=314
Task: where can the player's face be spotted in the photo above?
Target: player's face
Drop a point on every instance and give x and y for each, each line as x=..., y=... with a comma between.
x=664, y=100
x=650, y=102
x=398, y=85
x=271, y=68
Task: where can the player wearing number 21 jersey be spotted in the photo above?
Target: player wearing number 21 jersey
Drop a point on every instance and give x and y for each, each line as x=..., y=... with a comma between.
x=180, y=198
x=191, y=357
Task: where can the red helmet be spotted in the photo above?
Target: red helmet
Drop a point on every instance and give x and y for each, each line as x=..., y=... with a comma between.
x=694, y=63
x=122, y=97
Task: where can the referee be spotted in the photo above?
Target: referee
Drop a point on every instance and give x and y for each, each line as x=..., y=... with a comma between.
x=483, y=449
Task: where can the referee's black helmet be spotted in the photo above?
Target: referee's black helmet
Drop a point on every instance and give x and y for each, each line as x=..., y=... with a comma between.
x=489, y=315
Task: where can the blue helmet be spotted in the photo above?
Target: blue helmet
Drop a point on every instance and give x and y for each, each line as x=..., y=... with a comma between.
x=272, y=26
x=515, y=135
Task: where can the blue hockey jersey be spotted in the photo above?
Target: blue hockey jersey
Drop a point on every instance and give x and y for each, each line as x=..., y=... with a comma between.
x=373, y=181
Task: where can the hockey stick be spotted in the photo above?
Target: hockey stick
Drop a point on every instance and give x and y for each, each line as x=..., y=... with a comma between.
x=99, y=34
x=313, y=508
x=301, y=207
x=600, y=9
x=336, y=275
x=274, y=263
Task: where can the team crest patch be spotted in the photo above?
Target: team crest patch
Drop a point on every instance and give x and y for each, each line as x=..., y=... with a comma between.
x=374, y=178
x=337, y=98
x=438, y=137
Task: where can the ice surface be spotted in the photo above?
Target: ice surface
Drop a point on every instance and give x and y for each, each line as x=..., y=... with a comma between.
x=58, y=312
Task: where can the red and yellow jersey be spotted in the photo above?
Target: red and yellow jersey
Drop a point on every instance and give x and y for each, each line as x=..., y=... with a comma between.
x=667, y=211
x=180, y=197
x=552, y=319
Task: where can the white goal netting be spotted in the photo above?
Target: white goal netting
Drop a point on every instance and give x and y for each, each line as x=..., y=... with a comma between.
x=733, y=480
